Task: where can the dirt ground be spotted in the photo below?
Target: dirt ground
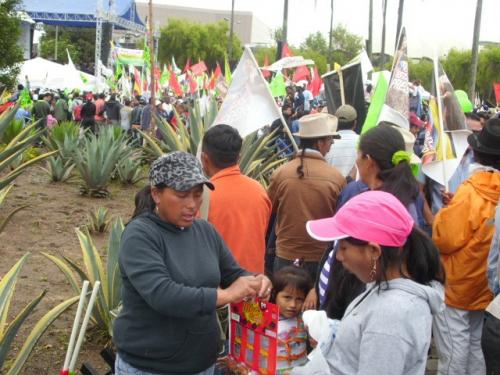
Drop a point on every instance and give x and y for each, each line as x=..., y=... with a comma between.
x=48, y=225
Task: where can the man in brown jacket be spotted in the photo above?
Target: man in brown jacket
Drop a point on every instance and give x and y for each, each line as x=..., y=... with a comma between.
x=306, y=188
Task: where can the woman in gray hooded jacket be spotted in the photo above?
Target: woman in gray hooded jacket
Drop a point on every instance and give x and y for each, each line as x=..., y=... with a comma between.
x=387, y=329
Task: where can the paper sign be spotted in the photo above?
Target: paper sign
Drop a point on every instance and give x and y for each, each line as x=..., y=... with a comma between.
x=253, y=335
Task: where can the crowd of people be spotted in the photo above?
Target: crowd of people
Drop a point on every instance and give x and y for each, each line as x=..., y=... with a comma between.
x=347, y=225
x=360, y=250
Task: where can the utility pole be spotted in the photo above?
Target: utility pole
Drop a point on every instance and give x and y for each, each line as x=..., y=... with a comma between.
x=384, y=12
x=231, y=30
x=475, y=47
x=330, y=44
x=57, y=37
x=285, y=22
x=370, y=30
x=152, y=63
x=400, y=21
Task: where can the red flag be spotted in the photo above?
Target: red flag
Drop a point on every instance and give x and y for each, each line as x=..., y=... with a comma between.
x=214, y=77
x=266, y=73
x=199, y=68
x=193, y=85
x=286, y=52
x=497, y=91
x=157, y=75
x=187, y=66
x=302, y=72
x=137, y=81
x=315, y=85
x=218, y=72
x=174, y=83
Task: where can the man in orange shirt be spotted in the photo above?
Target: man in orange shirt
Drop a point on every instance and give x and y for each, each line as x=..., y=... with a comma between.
x=239, y=206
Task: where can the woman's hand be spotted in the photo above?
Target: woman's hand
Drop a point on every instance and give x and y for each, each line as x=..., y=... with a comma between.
x=265, y=287
x=446, y=197
x=244, y=287
x=310, y=301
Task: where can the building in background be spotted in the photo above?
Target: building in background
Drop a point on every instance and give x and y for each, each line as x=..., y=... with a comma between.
x=248, y=28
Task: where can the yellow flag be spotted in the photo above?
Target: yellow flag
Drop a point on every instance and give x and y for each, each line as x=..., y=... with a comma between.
x=337, y=67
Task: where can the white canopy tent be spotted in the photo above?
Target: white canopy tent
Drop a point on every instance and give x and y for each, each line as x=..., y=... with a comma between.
x=42, y=73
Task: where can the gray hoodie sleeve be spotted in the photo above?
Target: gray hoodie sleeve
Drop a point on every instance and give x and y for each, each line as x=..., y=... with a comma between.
x=142, y=264
x=382, y=353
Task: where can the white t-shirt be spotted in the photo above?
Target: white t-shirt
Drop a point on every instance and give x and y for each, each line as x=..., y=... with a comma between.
x=308, y=96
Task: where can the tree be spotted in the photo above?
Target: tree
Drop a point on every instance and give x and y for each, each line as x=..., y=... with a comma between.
x=80, y=42
x=315, y=42
x=11, y=53
x=457, y=67
x=346, y=45
x=422, y=70
x=184, y=39
x=277, y=34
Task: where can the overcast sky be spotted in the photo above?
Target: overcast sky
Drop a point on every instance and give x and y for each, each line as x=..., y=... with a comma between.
x=430, y=24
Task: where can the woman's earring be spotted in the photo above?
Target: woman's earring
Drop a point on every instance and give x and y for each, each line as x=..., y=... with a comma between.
x=373, y=271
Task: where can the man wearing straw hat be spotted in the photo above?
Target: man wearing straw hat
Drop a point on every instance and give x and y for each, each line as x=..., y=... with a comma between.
x=306, y=188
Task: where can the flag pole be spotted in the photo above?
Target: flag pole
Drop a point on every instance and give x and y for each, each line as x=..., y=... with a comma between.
x=338, y=68
x=83, y=328
x=442, y=134
x=76, y=323
x=288, y=132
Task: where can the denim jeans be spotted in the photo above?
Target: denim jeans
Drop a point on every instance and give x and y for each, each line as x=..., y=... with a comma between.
x=124, y=368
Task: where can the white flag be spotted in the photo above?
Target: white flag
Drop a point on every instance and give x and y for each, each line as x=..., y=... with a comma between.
x=248, y=105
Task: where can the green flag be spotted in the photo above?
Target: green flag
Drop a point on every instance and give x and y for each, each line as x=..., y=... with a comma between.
x=118, y=71
x=227, y=71
x=277, y=85
x=25, y=98
x=378, y=100
x=165, y=76
x=84, y=78
x=146, y=56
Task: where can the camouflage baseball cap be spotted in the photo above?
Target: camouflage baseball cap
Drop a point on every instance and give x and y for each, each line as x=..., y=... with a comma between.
x=178, y=170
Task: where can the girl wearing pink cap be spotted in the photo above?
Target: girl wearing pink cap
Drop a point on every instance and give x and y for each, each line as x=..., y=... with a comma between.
x=387, y=329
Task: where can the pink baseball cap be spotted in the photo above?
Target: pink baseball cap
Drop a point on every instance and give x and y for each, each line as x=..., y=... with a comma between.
x=373, y=216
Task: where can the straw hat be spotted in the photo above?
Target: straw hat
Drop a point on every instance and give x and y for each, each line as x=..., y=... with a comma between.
x=318, y=125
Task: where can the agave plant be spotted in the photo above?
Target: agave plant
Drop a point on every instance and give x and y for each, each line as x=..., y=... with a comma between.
x=58, y=169
x=98, y=220
x=259, y=155
x=64, y=137
x=6, y=219
x=13, y=150
x=97, y=158
x=96, y=268
x=129, y=170
x=8, y=331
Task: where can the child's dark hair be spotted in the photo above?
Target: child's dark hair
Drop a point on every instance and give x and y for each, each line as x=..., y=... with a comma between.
x=295, y=277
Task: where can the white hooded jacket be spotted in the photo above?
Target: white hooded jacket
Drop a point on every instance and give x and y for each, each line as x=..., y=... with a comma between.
x=386, y=331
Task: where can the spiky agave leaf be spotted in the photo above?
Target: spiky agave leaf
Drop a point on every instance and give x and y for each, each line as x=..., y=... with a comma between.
x=57, y=169
x=98, y=220
x=97, y=158
x=96, y=267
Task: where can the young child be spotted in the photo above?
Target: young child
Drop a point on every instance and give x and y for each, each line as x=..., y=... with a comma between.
x=290, y=287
